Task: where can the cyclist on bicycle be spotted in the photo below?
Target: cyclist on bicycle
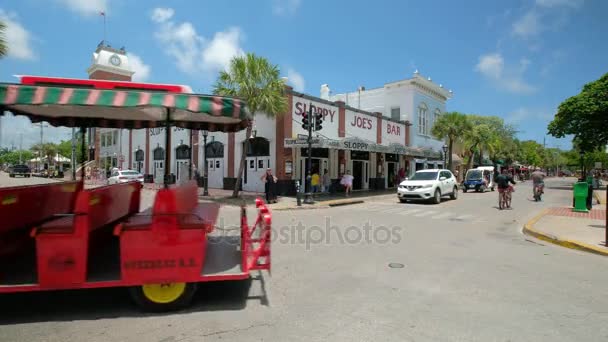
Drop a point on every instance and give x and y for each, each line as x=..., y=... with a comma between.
x=538, y=178
x=503, y=181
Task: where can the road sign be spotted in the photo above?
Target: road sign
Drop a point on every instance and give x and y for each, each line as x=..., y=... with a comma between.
x=121, y=158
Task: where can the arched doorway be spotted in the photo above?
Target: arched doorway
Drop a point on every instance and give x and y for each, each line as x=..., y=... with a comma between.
x=139, y=160
x=182, y=160
x=257, y=161
x=214, y=152
x=159, y=160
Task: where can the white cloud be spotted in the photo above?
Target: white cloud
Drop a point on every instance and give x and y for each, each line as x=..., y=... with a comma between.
x=192, y=52
x=19, y=130
x=221, y=49
x=141, y=69
x=492, y=67
x=559, y=3
x=528, y=25
x=160, y=15
x=86, y=7
x=526, y=114
x=285, y=7
x=18, y=39
x=296, y=80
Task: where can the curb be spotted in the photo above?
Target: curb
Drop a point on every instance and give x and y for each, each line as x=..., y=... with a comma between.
x=307, y=207
x=572, y=244
x=338, y=203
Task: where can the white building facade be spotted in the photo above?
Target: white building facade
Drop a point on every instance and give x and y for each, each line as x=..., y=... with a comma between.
x=370, y=133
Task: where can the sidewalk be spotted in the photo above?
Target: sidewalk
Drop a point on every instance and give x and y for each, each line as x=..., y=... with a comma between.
x=562, y=226
x=291, y=203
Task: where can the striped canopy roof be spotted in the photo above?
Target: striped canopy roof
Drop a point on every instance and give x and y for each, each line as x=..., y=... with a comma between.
x=80, y=107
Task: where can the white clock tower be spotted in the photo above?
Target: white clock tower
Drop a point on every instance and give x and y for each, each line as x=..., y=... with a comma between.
x=110, y=64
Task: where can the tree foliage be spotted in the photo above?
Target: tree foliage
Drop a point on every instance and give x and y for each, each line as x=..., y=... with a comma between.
x=585, y=116
x=450, y=126
x=258, y=82
x=16, y=157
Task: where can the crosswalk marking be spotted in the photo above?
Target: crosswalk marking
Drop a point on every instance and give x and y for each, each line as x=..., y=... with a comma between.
x=443, y=215
x=407, y=212
x=425, y=213
x=463, y=217
x=419, y=212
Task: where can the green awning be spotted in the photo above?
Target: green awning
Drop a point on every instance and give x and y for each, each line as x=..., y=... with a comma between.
x=80, y=107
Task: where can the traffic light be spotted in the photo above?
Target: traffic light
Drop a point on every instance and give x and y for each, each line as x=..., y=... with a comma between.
x=318, y=121
x=305, y=121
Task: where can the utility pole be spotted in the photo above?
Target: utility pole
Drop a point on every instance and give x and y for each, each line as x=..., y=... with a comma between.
x=20, y=148
x=42, y=125
x=73, y=153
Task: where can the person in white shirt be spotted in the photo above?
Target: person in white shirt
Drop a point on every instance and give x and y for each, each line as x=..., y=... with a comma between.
x=347, y=181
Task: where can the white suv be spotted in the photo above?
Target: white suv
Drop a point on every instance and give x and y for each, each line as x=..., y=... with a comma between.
x=428, y=185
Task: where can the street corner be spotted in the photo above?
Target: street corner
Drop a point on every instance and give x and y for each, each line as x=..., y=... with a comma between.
x=563, y=227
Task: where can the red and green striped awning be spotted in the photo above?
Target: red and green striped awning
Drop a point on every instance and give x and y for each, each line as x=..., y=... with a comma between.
x=78, y=107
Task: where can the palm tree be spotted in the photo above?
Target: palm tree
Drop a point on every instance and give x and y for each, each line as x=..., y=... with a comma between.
x=474, y=138
x=258, y=82
x=451, y=126
x=3, y=46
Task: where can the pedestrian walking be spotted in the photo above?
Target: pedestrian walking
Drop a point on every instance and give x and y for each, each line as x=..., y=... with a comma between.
x=270, y=182
x=326, y=181
x=315, y=181
x=347, y=182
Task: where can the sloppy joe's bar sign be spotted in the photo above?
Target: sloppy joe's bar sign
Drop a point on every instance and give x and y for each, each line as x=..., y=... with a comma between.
x=361, y=125
x=392, y=133
x=330, y=115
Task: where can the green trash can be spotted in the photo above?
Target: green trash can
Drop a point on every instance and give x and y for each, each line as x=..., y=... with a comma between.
x=581, y=192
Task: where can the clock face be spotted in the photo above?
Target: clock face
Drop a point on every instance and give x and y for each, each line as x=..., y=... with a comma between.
x=115, y=60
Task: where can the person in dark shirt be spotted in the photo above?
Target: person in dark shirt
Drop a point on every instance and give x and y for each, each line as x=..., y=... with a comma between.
x=503, y=180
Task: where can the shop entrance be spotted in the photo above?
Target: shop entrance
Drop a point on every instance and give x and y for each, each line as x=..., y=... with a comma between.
x=392, y=163
x=159, y=170
x=214, y=151
x=360, y=171
x=319, y=163
x=182, y=160
x=257, y=161
x=138, y=165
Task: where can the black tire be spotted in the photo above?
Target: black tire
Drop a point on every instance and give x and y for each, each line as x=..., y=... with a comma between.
x=140, y=298
x=402, y=200
x=492, y=188
x=454, y=194
x=464, y=190
x=437, y=197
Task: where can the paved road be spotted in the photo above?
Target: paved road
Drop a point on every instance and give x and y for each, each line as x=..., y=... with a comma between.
x=469, y=275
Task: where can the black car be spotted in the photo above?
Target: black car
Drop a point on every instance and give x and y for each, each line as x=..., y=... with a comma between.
x=21, y=170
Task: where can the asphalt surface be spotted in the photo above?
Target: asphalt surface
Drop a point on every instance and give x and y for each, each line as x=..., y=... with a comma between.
x=462, y=271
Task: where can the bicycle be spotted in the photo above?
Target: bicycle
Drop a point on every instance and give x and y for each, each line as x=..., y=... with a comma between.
x=504, y=198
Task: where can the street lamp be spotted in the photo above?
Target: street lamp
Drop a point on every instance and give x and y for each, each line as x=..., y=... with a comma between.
x=205, y=178
x=445, y=156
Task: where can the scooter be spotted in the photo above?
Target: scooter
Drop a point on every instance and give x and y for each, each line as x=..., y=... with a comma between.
x=538, y=192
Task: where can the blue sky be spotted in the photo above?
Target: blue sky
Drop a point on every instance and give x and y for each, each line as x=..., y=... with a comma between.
x=515, y=59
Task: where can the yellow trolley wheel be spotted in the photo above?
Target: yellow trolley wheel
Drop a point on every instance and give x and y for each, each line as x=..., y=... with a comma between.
x=163, y=297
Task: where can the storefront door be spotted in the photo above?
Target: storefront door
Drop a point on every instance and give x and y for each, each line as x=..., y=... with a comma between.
x=318, y=165
x=391, y=172
x=215, y=170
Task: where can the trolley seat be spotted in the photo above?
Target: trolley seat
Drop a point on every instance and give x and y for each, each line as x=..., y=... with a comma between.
x=24, y=207
x=63, y=244
x=168, y=243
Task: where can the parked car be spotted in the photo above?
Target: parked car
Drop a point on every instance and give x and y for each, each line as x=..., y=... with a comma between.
x=123, y=176
x=19, y=170
x=428, y=185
